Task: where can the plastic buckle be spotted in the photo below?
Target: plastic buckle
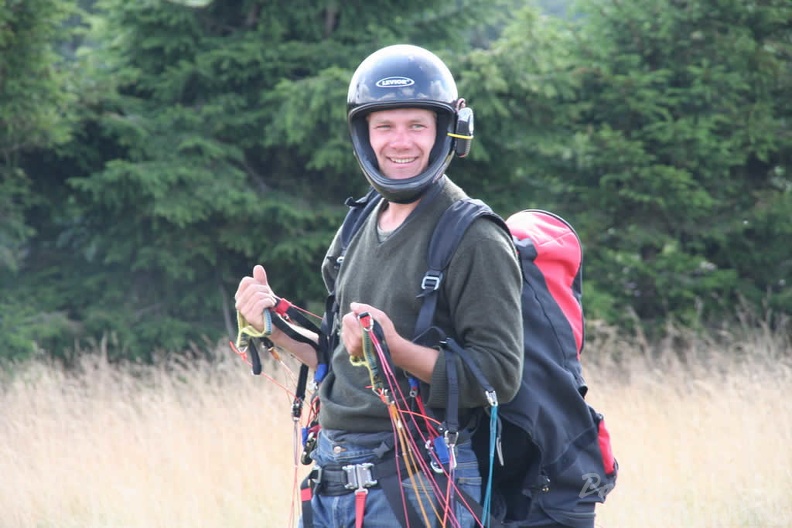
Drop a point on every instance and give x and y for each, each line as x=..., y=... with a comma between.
x=442, y=456
x=431, y=281
x=359, y=477
x=315, y=477
x=296, y=409
x=281, y=306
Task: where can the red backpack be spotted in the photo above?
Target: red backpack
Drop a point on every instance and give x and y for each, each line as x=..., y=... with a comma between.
x=555, y=449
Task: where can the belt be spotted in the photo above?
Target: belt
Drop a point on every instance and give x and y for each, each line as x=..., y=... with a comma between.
x=334, y=479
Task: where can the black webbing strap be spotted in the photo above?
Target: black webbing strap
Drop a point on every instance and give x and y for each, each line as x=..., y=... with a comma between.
x=452, y=402
x=405, y=512
x=359, y=210
x=447, y=235
x=293, y=314
x=285, y=308
x=255, y=358
x=453, y=346
x=444, y=242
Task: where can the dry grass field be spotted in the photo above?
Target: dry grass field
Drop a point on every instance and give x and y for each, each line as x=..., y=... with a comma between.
x=702, y=430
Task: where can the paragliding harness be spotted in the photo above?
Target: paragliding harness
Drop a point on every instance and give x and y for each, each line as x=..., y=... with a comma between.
x=554, y=455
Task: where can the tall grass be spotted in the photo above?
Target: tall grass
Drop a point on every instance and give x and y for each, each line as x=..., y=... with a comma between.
x=701, y=428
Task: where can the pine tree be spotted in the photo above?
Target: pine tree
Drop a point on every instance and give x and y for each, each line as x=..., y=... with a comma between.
x=35, y=113
x=213, y=137
x=661, y=130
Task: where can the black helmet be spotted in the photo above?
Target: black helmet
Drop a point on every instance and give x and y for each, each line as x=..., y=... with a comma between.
x=407, y=76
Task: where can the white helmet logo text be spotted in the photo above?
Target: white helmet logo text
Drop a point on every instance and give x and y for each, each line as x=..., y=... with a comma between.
x=395, y=82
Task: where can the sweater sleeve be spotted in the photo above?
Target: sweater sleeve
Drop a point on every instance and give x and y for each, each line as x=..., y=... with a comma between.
x=482, y=313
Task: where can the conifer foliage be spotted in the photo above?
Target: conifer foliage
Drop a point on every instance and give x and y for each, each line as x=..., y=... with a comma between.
x=152, y=152
x=212, y=138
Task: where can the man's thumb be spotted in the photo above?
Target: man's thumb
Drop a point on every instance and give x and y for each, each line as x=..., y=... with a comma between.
x=358, y=308
x=259, y=274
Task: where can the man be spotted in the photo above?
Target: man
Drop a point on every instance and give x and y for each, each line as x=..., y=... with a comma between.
x=406, y=123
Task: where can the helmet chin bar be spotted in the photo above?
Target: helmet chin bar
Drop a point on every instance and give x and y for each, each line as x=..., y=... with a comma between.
x=408, y=190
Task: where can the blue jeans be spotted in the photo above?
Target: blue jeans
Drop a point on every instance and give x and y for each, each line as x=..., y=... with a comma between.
x=339, y=511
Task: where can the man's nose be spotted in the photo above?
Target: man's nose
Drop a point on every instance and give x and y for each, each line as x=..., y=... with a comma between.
x=401, y=137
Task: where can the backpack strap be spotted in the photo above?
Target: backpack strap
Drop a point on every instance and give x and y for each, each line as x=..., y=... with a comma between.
x=447, y=235
x=359, y=210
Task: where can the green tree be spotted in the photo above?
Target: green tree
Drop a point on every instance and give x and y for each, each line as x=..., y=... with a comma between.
x=687, y=147
x=35, y=113
x=213, y=137
x=34, y=102
x=661, y=130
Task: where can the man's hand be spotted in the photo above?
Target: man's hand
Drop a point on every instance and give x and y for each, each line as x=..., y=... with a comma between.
x=416, y=359
x=352, y=331
x=253, y=296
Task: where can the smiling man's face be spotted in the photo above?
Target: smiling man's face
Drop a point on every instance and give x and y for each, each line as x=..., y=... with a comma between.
x=402, y=140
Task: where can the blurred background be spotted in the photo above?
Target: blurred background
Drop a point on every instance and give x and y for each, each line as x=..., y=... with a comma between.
x=152, y=152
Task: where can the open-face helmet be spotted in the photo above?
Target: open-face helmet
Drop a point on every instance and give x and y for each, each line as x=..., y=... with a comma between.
x=406, y=76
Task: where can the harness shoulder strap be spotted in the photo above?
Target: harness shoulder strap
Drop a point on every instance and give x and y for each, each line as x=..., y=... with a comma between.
x=448, y=233
x=359, y=210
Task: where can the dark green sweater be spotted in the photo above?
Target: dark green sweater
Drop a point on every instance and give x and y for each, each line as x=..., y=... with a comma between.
x=479, y=307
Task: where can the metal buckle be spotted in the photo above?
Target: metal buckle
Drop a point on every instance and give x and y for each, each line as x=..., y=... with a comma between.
x=308, y=447
x=492, y=398
x=451, y=438
x=359, y=476
x=431, y=281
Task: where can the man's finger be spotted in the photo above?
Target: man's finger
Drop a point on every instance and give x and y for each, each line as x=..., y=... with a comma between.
x=259, y=274
x=358, y=308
